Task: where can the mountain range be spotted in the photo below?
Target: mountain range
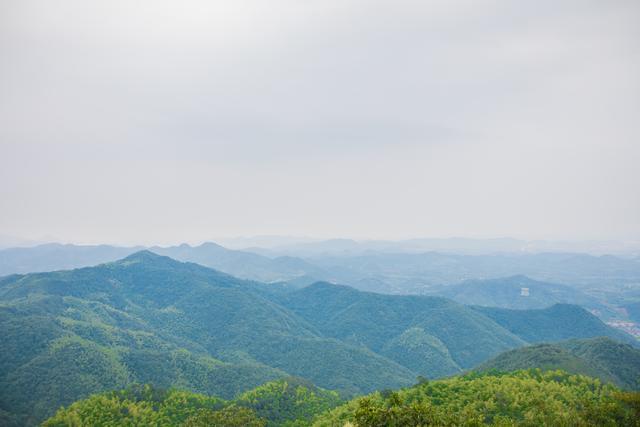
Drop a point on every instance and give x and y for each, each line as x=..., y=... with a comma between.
x=151, y=319
x=385, y=272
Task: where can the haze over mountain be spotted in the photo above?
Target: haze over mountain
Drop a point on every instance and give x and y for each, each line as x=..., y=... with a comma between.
x=379, y=271
x=51, y=257
x=284, y=213
x=307, y=247
x=520, y=292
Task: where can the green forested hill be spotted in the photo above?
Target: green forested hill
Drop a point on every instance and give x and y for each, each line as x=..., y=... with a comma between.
x=521, y=398
x=431, y=335
x=620, y=360
x=435, y=336
x=602, y=358
x=152, y=319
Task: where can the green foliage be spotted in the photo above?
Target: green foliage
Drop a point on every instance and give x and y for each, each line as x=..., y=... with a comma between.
x=139, y=405
x=231, y=416
x=523, y=398
x=291, y=402
x=287, y=401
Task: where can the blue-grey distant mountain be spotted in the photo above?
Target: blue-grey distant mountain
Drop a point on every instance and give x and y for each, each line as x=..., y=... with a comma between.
x=455, y=245
x=51, y=257
x=416, y=273
x=519, y=292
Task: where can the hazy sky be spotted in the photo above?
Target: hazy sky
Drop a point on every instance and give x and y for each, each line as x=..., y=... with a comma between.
x=155, y=122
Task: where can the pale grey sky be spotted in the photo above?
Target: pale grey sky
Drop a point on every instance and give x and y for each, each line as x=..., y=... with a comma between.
x=159, y=122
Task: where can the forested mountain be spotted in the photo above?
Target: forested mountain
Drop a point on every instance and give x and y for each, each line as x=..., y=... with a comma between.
x=556, y=323
x=601, y=358
x=151, y=319
x=431, y=335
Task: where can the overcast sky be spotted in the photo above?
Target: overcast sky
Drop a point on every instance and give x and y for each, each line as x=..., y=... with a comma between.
x=159, y=122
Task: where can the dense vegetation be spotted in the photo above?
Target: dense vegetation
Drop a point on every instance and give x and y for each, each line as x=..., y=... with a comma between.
x=289, y=402
x=431, y=335
x=151, y=319
x=526, y=398
x=522, y=398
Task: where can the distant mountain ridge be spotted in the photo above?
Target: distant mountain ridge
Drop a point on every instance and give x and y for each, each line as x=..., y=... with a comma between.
x=384, y=272
x=246, y=265
x=519, y=292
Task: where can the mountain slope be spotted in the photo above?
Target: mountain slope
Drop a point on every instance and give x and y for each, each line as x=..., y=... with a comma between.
x=620, y=360
x=432, y=335
x=149, y=318
x=602, y=358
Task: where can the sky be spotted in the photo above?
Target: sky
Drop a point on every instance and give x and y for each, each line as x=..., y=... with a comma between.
x=157, y=122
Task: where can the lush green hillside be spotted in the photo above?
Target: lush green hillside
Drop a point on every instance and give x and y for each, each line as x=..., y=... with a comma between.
x=546, y=357
x=431, y=335
x=151, y=319
x=523, y=398
x=291, y=401
x=527, y=398
x=556, y=323
x=621, y=361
